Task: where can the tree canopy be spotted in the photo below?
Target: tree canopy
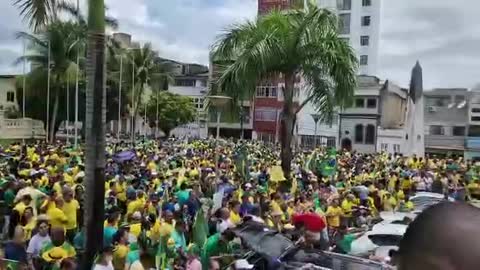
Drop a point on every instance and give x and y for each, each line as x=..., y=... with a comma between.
x=302, y=49
x=173, y=111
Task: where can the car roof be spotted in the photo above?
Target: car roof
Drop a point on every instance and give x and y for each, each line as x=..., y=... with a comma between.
x=388, y=229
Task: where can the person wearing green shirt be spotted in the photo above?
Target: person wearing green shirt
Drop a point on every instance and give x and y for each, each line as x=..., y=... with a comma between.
x=216, y=245
x=345, y=240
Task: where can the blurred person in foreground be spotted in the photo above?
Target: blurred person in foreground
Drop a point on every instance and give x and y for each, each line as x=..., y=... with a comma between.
x=443, y=237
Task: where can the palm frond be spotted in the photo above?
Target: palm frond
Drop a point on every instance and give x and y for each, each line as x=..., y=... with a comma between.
x=36, y=13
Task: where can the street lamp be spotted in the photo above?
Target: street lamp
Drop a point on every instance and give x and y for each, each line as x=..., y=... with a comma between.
x=316, y=118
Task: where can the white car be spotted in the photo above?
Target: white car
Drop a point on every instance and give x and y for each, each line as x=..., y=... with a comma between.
x=383, y=237
x=379, y=241
x=423, y=200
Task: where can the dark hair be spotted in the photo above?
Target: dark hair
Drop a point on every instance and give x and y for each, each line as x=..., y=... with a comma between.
x=426, y=237
x=228, y=234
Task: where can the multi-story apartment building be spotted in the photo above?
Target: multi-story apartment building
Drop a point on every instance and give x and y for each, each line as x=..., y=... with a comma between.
x=359, y=24
x=446, y=120
x=191, y=80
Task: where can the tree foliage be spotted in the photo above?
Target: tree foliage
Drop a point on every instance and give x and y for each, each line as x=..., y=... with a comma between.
x=301, y=45
x=173, y=110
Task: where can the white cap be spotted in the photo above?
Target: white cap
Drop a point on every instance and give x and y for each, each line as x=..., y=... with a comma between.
x=243, y=264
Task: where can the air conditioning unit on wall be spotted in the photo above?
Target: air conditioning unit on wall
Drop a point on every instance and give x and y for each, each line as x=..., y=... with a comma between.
x=432, y=109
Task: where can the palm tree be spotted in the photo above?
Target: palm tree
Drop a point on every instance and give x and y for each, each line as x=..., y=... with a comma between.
x=299, y=45
x=150, y=71
x=95, y=131
x=62, y=38
x=38, y=13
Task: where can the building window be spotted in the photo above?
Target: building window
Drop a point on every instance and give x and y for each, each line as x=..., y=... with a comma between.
x=198, y=103
x=366, y=20
x=185, y=82
x=475, y=110
x=442, y=101
x=475, y=118
x=363, y=60
x=364, y=40
x=371, y=103
x=366, y=3
x=344, y=4
x=370, y=135
x=203, y=83
x=384, y=147
x=267, y=91
x=396, y=148
x=437, y=130
x=344, y=24
x=359, y=103
x=10, y=96
x=458, y=131
x=359, y=133
x=266, y=114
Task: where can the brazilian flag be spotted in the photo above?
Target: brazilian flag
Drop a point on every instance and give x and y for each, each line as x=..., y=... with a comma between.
x=328, y=165
x=200, y=229
x=323, y=165
x=241, y=162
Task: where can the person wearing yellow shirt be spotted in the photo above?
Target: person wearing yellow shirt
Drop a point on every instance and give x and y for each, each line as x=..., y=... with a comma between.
x=121, y=249
x=133, y=206
x=392, y=181
x=406, y=184
x=56, y=216
x=136, y=224
x=333, y=214
x=23, y=204
x=70, y=208
x=235, y=212
x=389, y=203
x=29, y=222
x=347, y=206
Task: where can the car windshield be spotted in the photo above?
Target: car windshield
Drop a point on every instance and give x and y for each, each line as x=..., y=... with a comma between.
x=385, y=239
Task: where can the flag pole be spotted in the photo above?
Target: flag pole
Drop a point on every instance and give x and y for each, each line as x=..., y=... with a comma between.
x=48, y=92
x=76, y=82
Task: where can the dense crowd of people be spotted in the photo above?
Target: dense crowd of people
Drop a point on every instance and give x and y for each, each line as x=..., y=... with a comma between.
x=174, y=204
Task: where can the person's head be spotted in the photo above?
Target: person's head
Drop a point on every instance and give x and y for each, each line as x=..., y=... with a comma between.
x=121, y=236
x=168, y=216
x=28, y=213
x=335, y=203
x=27, y=199
x=68, y=264
x=223, y=213
x=42, y=226
x=227, y=236
x=57, y=236
x=445, y=236
x=106, y=256
x=59, y=202
x=214, y=265
x=180, y=226
x=67, y=193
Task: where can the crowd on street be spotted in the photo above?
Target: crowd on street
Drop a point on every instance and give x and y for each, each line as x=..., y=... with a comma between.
x=175, y=204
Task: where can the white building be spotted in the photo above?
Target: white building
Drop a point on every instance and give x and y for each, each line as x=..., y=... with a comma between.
x=360, y=25
x=191, y=80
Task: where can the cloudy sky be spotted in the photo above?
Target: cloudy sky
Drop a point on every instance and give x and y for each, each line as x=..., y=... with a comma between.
x=443, y=34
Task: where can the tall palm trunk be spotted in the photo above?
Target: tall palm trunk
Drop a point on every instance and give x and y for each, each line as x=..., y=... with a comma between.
x=54, y=116
x=95, y=132
x=287, y=125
